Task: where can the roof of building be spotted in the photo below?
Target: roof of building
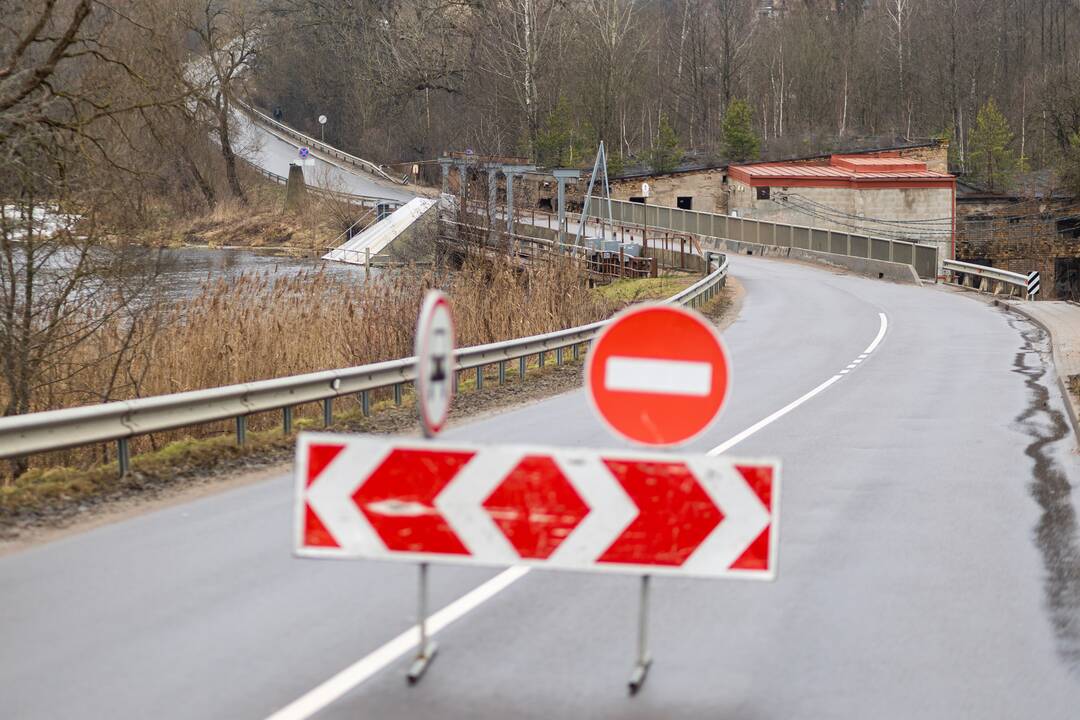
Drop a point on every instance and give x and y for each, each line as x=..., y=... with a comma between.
x=843, y=171
x=854, y=146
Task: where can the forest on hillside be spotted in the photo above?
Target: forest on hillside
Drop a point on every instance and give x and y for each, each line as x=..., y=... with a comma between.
x=405, y=79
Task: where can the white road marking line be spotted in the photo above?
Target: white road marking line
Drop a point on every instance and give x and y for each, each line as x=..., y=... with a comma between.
x=315, y=700
x=650, y=375
x=725, y=446
x=318, y=698
x=880, y=335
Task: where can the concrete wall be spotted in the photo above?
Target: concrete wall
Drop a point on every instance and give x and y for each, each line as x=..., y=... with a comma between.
x=704, y=187
x=786, y=205
x=1022, y=237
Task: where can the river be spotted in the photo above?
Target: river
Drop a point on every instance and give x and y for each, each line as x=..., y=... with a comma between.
x=184, y=270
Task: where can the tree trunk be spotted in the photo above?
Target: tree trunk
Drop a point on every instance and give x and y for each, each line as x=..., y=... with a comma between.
x=228, y=154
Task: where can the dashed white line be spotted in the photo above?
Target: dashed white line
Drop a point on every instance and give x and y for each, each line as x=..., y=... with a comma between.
x=725, y=446
x=318, y=698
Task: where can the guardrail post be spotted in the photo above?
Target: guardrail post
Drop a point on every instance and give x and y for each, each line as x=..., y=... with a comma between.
x=365, y=403
x=502, y=372
x=123, y=456
x=241, y=429
x=457, y=378
x=540, y=359
x=558, y=356
x=522, y=362
x=577, y=351
x=480, y=377
x=328, y=412
x=397, y=394
x=286, y=420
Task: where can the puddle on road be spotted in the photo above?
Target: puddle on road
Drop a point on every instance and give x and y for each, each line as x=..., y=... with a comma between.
x=1056, y=531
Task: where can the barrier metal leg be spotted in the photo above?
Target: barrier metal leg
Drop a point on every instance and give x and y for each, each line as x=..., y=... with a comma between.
x=521, y=369
x=397, y=395
x=644, y=661
x=241, y=429
x=328, y=412
x=123, y=456
x=286, y=420
x=426, y=650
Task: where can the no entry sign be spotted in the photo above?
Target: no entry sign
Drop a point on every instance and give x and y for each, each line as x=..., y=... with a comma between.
x=658, y=374
x=600, y=510
x=434, y=362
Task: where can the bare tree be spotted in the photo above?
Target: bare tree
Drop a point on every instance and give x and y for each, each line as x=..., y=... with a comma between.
x=514, y=42
x=228, y=36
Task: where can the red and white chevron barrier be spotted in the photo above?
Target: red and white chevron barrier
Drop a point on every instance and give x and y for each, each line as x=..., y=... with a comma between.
x=599, y=510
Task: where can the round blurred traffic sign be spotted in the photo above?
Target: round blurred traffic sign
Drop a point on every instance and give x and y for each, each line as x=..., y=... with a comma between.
x=304, y=152
x=434, y=362
x=658, y=374
x=645, y=189
x=322, y=119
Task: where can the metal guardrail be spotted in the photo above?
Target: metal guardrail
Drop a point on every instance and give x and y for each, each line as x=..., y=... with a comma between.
x=119, y=421
x=922, y=257
x=330, y=150
x=990, y=279
x=365, y=200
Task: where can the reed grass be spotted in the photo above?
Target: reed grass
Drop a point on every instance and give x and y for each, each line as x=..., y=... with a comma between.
x=255, y=327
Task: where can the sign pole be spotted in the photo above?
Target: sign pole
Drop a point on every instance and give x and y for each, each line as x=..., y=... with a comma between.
x=644, y=660
x=427, y=648
x=434, y=392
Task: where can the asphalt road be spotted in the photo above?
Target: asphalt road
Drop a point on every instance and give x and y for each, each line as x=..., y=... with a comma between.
x=272, y=151
x=928, y=559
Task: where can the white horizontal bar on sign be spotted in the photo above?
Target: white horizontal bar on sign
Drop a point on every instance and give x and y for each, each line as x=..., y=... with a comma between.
x=652, y=375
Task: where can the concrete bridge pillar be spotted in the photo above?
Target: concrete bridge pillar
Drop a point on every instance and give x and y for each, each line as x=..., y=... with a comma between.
x=444, y=164
x=295, y=189
x=463, y=183
x=562, y=176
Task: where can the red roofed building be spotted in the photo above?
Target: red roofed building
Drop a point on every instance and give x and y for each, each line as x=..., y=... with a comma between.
x=883, y=194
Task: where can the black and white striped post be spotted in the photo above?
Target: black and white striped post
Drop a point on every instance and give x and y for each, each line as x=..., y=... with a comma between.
x=1033, y=280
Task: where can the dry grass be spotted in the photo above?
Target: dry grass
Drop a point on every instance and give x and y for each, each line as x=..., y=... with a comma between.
x=255, y=327
x=260, y=223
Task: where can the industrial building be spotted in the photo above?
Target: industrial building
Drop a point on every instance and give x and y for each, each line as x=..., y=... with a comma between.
x=883, y=194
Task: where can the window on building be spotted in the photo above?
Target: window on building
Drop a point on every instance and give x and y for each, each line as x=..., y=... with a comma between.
x=684, y=202
x=1067, y=278
x=1069, y=228
x=764, y=193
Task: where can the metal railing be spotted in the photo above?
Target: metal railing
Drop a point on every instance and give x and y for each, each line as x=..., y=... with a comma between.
x=989, y=279
x=715, y=225
x=330, y=150
x=120, y=421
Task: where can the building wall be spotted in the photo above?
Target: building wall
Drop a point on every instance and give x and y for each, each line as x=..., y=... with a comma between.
x=797, y=206
x=704, y=187
x=1023, y=237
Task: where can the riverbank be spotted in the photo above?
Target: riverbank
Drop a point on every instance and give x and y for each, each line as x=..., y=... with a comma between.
x=262, y=223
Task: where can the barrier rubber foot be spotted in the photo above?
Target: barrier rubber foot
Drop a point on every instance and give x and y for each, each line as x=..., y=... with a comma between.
x=637, y=679
x=420, y=664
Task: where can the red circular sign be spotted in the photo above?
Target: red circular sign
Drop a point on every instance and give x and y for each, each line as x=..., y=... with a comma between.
x=658, y=374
